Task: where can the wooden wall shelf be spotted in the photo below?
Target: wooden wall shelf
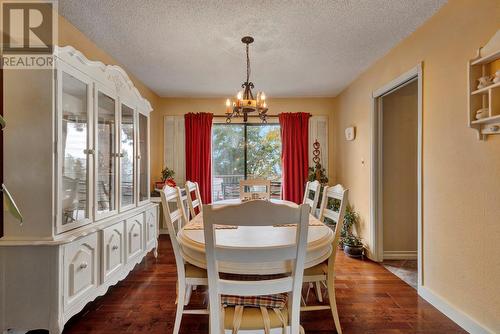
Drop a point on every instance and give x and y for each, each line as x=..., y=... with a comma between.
x=486, y=64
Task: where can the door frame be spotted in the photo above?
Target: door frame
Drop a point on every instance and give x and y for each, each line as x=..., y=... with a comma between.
x=376, y=212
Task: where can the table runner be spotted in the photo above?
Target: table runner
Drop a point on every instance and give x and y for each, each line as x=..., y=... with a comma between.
x=197, y=224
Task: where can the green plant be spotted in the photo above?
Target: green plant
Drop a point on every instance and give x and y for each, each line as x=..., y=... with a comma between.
x=351, y=218
x=167, y=174
x=318, y=172
x=352, y=241
x=8, y=200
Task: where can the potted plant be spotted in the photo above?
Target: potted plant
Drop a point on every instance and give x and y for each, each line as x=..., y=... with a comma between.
x=167, y=177
x=353, y=246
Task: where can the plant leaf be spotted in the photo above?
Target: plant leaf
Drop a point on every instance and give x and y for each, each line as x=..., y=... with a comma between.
x=10, y=205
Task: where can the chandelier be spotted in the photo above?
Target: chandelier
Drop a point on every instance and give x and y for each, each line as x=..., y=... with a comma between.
x=245, y=102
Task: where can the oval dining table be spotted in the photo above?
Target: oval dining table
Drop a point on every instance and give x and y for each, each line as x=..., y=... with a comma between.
x=192, y=241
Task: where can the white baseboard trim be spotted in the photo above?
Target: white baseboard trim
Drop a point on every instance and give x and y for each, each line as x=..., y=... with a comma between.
x=400, y=255
x=163, y=231
x=459, y=317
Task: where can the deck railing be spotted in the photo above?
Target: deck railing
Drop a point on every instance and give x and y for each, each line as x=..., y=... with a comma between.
x=228, y=187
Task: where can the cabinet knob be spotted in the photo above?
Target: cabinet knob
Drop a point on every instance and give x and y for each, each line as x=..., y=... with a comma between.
x=150, y=225
x=83, y=265
x=115, y=247
x=135, y=234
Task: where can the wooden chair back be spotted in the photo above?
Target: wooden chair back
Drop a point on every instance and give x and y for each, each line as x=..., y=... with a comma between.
x=332, y=207
x=175, y=219
x=194, y=204
x=255, y=214
x=313, y=187
x=247, y=185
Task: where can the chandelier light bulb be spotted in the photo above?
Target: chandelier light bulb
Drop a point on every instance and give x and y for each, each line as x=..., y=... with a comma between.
x=239, y=96
x=262, y=96
x=228, y=103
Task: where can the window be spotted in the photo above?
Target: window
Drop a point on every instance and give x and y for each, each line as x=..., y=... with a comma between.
x=245, y=151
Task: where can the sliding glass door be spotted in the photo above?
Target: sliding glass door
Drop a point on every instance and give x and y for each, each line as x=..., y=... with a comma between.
x=245, y=151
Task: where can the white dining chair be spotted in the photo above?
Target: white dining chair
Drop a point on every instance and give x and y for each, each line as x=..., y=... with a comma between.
x=324, y=273
x=246, y=187
x=192, y=189
x=246, y=300
x=188, y=275
x=313, y=187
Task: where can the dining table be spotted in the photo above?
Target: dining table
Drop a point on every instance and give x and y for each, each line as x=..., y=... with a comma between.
x=192, y=242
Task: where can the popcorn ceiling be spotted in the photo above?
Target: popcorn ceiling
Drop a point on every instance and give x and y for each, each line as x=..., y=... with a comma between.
x=193, y=48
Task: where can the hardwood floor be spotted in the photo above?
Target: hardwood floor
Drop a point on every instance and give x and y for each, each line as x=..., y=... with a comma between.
x=370, y=300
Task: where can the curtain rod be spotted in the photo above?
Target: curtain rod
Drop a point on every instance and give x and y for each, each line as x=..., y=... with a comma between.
x=250, y=116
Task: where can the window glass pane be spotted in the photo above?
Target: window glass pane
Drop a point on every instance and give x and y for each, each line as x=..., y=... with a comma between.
x=228, y=160
x=263, y=158
x=74, y=143
x=143, y=161
x=264, y=155
x=106, y=138
x=127, y=156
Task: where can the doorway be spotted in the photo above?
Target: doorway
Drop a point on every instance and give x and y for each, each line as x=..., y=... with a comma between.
x=396, y=175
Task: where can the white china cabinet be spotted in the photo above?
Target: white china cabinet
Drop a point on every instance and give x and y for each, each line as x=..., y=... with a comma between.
x=76, y=159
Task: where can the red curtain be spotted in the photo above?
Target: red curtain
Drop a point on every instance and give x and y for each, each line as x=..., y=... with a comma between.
x=199, y=152
x=294, y=154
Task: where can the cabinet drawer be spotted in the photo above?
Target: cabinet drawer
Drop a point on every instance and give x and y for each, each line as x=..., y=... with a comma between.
x=81, y=263
x=113, y=249
x=151, y=226
x=134, y=236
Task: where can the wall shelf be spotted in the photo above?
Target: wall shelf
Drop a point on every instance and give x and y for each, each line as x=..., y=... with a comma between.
x=485, y=89
x=488, y=120
x=487, y=59
x=486, y=64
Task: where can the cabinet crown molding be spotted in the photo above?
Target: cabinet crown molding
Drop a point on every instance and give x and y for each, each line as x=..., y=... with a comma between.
x=112, y=76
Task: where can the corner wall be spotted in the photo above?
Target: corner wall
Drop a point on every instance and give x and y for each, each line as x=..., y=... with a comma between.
x=461, y=175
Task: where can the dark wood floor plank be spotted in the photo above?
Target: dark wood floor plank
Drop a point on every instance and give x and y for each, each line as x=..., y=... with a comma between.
x=371, y=300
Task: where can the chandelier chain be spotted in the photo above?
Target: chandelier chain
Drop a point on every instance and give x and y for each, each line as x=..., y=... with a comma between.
x=248, y=64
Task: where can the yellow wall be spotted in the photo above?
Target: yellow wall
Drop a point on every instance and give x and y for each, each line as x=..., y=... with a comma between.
x=400, y=154
x=461, y=175
x=181, y=106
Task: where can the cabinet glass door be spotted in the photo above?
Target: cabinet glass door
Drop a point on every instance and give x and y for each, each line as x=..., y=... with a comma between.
x=106, y=142
x=127, y=182
x=143, y=157
x=75, y=157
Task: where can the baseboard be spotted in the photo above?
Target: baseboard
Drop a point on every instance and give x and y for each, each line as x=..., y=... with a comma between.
x=163, y=231
x=460, y=318
x=400, y=255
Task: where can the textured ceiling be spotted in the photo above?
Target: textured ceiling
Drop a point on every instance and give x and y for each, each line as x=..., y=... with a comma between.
x=302, y=48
